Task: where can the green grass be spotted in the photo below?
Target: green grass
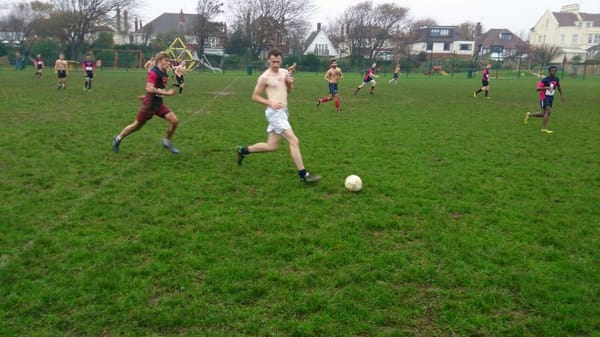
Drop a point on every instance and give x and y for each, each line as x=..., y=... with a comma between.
x=470, y=223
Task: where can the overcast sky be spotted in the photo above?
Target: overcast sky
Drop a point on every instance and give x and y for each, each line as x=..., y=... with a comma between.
x=516, y=15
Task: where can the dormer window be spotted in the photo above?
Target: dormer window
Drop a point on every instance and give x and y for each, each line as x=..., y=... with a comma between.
x=440, y=32
x=505, y=36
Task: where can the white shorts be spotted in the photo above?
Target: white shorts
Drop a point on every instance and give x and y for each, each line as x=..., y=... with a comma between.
x=278, y=120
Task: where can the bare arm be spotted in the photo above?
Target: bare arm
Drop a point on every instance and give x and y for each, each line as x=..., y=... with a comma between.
x=152, y=90
x=289, y=82
x=257, y=93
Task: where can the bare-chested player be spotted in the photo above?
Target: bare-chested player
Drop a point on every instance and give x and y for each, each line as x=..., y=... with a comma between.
x=332, y=76
x=61, y=68
x=276, y=83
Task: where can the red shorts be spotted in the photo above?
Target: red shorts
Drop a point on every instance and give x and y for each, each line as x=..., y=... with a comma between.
x=147, y=110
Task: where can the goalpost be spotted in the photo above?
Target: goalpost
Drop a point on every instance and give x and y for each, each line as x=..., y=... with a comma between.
x=117, y=53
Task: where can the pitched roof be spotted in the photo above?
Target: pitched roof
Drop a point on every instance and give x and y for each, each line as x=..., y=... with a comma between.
x=595, y=18
x=569, y=19
x=492, y=37
x=170, y=22
x=424, y=34
x=310, y=39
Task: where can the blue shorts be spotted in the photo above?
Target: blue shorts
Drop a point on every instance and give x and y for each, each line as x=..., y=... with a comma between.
x=547, y=101
x=333, y=88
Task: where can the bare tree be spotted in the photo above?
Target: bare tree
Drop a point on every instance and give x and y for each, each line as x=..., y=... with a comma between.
x=71, y=20
x=545, y=53
x=268, y=23
x=20, y=22
x=369, y=27
x=467, y=31
x=207, y=10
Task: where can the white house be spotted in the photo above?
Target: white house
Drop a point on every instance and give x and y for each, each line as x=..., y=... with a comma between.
x=441, y=40
x=319, y=44
x=573, y=31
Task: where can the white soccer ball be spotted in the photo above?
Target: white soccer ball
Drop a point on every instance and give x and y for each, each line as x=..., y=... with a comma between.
x=353, y=183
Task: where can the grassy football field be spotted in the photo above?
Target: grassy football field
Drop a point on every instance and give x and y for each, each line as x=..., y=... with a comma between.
x=470, y=223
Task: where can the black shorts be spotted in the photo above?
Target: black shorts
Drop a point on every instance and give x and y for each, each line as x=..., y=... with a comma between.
x=89, y=74
x=62, y=74
x=485, y=83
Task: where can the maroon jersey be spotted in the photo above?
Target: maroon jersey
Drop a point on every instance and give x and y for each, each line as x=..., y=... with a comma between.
x=486, y=74
x=88, y=66
x=159, y=78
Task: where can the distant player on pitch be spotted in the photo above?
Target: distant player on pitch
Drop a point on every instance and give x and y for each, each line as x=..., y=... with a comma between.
x=369, y=78
x=485, y=82
x=546, y=89
x=89, y=70
x=61, y=69
x=179, y=71
x=396, y=73
x=332, y=76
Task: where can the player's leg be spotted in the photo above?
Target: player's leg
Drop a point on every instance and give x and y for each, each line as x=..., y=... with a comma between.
x=172, y=121
x=546, y=118
x=360, y=86
x=294, y=144
x=269, y=146
x=373, y=84
x=337, y=102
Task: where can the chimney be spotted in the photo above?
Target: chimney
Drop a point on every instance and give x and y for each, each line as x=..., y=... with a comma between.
x=140, y=24
x=478, y=30
x=318, y=26
x=126, y=22
x=135, y=24
x=181, y=21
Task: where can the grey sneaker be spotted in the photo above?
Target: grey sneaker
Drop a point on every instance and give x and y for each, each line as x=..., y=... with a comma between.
x=310, y=179
x=116, y=143
x=170, y=147
x=240, y=155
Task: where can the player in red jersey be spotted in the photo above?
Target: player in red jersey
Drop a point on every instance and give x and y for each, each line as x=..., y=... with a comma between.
x=369, y=78
x=38, y=63
x=89, y=70
x=152, y=104
x=485, y=82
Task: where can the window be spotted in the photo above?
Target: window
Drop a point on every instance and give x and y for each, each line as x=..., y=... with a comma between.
x=211, y=42
x=562, y=38
x=429, y=45
x=596, y=38
x=497, y=49
x=440, y=32
x=539, y=38
x=590, y=38
x=446, y=46
x=506, y=36
x=321, y=49
x=465, y=46
x=574, y=38
x=588, y=24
